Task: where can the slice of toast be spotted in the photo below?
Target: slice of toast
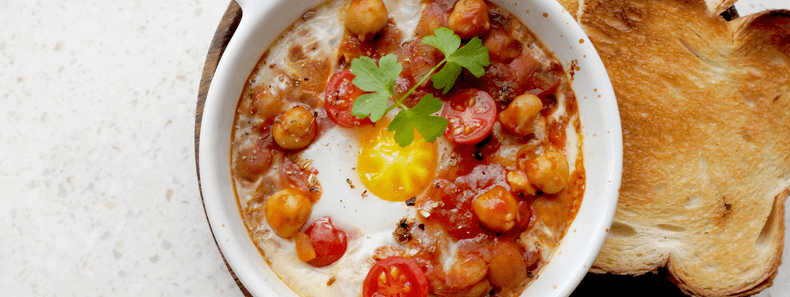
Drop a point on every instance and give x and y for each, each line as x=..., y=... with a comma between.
x=716, y=7
x=705, y=109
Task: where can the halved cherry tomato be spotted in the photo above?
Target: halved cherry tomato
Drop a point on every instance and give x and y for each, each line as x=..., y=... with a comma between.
x=471, y=113
x=339, y=99
x=328, y=241
x=395, y=277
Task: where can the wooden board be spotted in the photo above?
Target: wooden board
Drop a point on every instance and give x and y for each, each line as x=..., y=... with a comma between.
x=592, y=284
x=227, y=26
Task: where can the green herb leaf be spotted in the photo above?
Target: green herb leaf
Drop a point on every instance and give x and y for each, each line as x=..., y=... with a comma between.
x=445, y=78
x=404, y=131
x=372, y=104
x=473, y=56
x=443, y=39
x=429, y=126
x=372, y=78
x=421, y=118
x=378, y=79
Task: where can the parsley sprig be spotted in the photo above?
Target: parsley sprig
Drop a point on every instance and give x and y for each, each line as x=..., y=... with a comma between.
x=380, y=79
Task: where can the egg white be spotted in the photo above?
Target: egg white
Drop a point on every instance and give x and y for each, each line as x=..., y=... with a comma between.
x=368, y=220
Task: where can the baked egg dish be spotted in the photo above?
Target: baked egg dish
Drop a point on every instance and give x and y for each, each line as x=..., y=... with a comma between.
x=407, y=148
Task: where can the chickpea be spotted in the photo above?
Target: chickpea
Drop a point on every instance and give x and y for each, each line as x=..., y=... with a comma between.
x=429, y=24
x=287, y=211
x=366, y=18
x=480, y=289
x=520, y=114
x=527, y=153
x=497, y=209
x=549, y=172
x=295, y=128
x=518, y=181
x=252, y=161
x=507, y=268
x=264, y=103
x=466, y=271
x=469, y=18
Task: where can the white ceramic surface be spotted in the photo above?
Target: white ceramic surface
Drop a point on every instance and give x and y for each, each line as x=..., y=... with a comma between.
x=263, y=21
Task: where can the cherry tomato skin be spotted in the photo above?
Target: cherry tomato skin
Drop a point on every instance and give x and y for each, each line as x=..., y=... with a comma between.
x=472, y=114
x=328, y=241
x=339, y=99
x=408, y=281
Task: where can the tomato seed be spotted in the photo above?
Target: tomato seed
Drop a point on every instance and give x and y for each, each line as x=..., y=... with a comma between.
x=382, y=279
x=395, y=272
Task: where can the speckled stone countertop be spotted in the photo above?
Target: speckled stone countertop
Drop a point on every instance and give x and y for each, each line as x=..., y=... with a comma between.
x=98, y=187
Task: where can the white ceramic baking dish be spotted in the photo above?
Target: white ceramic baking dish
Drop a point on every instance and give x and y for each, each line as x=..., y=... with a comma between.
x=264, y=20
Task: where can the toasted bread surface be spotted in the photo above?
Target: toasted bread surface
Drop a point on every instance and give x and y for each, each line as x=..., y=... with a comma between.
x=705, y=109
x=715, y=7
x=572, y=6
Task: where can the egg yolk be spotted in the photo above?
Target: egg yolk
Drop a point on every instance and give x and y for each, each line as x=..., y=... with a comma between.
x=392, y=172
